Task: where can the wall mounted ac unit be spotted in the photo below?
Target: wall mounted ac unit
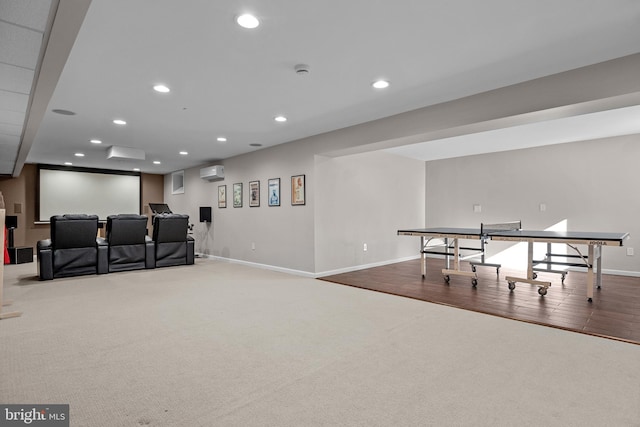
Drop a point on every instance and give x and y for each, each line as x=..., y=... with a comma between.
x=212, y=173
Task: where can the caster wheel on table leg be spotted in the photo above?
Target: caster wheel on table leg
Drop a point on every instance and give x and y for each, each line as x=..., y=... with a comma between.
x=474, y=282
x=512, y=285
x=542, y=291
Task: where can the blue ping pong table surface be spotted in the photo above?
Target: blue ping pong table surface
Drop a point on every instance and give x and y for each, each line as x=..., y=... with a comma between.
x=589, y=236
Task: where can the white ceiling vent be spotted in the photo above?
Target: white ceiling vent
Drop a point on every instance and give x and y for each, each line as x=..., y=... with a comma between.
x=125, y=153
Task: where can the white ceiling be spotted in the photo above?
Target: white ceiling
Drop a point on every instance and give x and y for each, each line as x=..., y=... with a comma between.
x=229, y=81
x=22, y=28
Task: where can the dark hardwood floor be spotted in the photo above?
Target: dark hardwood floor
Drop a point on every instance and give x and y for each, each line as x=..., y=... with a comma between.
x=614, y=312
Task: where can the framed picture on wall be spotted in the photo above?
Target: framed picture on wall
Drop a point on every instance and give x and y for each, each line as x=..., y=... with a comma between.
x=237, y=195
x=254, y=194
x=222, y=196
x=274, y=192
x=297, y=190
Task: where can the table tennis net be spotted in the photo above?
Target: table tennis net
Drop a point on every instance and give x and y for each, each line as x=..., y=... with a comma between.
x=503, y=226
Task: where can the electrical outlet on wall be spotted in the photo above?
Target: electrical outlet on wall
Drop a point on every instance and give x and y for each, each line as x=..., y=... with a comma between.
x=629, y=251
x=477, y=208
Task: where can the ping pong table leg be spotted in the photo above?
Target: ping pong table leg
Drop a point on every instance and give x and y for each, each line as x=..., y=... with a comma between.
x=530, y=260
x=590, y=275
x=423, y=257
x=446, y=249
x=598, y=260
x=456, y=255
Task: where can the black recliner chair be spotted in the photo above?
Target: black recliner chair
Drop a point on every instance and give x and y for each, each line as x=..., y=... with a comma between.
x=73, y=249
x=130, y=248
x=173, y=245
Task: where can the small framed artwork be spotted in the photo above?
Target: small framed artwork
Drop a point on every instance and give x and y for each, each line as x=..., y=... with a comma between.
x=297, y=190
x=254, y=194
x=274, y=192
x=222, y=196
x=237, y=195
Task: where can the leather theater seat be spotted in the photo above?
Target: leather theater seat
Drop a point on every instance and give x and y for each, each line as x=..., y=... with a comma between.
x=130, y=248
x=173, y=245
x=73, y=248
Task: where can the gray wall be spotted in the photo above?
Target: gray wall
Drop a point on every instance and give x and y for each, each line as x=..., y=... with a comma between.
x=349, y=201
x=282, y=236
x=349, y=182
x=362, y=199
x=365, y=198
x=591, y=184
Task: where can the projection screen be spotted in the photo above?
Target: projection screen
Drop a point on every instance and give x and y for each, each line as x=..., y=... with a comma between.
x=95, y=192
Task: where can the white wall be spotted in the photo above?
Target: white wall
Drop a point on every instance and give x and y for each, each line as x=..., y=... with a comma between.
x=349, y=201
x=592, y=184
x=282, y=236
x=328, y=232
x=362, y=199
x=365, y=198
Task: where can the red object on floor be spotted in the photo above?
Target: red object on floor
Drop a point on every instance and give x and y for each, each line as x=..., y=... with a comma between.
x=7, y=260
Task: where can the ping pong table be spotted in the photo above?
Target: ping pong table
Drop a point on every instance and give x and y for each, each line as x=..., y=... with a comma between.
x=512, y=232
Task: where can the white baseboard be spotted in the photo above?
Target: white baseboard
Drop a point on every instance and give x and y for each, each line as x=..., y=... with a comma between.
x=258, y=265
x=365, y=266
x=371, y=265
x=608, y=271
x=307, y=273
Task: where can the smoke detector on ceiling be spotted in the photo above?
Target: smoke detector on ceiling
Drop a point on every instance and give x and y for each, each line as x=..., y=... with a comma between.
x=301, y=69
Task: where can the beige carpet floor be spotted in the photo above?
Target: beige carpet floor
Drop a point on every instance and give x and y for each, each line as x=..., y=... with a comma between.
x=221, y=344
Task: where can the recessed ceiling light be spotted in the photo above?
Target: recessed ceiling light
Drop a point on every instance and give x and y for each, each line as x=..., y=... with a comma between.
x=136, y=169
x=221, y=139
x=119, y=122
x=79, y=154
x=380, y=84
x=247, y=21
x=280, y=119
x=156, y=162
x=68, y=163
x=161, y=88
x=183, y=153
x=95, y=141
